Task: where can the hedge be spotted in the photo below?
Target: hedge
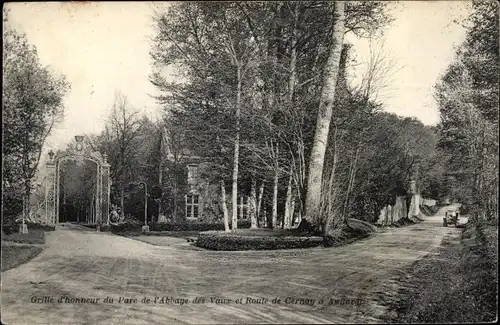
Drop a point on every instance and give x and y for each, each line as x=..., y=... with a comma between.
x=196, y=226
x=13, y=228
x=183, y=226
x=221, y=241
x=34, y=236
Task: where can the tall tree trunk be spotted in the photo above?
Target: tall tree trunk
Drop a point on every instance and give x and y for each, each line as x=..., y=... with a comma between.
x=253, y=205
x=287, y=222
x=274, y=219
x=288, y=202
x=122, y=198
x=313, y=197
x=259, y=202
x=160, y=173
x=224, y=205
x=293, y=55
x=265, y=218
x=332, y=196
x=174, y=212
x=236, y=151
x=25, y=208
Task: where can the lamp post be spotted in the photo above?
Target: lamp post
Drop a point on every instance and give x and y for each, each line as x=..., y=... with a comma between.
x=145, y=228
x=79, y=142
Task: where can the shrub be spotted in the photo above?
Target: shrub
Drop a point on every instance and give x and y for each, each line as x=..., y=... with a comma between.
x=355, y=230
x=106, y=227
x=221, y=241
x=405, y=221
x=33, y=225
x=361, y=226
x=125, y=227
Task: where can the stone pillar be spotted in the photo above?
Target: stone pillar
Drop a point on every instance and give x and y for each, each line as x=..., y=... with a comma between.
x=381, y=217
x=51, y=192
x=386, y=216
x=401, y=207
x=414, y=209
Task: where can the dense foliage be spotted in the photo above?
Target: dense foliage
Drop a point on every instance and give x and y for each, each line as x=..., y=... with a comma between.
x=250, y=79
x=32, y=102
x=245, y=101
x=468, y=98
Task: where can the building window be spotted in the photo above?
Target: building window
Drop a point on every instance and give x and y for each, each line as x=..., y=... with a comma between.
x=192, y=206
x=243, y=207
x=192, y=174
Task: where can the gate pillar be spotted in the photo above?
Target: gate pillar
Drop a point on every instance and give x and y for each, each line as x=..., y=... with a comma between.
x=51, y=190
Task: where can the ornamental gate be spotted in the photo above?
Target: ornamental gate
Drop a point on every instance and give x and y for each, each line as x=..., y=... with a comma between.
x=103, y=182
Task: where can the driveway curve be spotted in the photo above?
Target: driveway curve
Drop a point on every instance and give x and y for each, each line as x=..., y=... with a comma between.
x=85, y=264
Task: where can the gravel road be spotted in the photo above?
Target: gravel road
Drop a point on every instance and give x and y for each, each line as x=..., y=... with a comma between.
x=86, y=264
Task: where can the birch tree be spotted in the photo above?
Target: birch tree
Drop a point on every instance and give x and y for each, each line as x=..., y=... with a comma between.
x=315, y=176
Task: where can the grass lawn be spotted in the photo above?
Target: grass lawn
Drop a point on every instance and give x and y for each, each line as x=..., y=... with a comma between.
x=34, y=236
x=161, y=238
x=13, y=256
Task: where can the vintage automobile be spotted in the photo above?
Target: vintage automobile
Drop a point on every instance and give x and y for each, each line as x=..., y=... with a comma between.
x=450, y=217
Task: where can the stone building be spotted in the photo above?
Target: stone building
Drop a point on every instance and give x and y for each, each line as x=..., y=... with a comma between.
x=198, y=199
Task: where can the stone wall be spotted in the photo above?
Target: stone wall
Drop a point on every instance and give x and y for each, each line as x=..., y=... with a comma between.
x=392, y=213
x=414, y=209
x=428, y=202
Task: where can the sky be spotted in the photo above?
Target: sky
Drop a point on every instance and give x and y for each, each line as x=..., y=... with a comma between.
x=104, y=47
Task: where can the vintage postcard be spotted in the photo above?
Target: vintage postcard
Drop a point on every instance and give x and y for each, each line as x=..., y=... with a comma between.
x=250, y=162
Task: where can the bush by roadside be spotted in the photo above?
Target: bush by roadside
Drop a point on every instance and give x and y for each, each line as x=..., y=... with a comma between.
x=406, y=222
x=14, y=227
x=222, y=241
x=354, y=230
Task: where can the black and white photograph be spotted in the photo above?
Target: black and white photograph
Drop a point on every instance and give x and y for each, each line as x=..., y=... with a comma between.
x=250, y=162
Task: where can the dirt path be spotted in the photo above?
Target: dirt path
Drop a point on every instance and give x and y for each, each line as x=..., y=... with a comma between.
x=87, y=264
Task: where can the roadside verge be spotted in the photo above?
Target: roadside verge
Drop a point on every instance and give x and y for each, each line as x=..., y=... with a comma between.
x=455, y=284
